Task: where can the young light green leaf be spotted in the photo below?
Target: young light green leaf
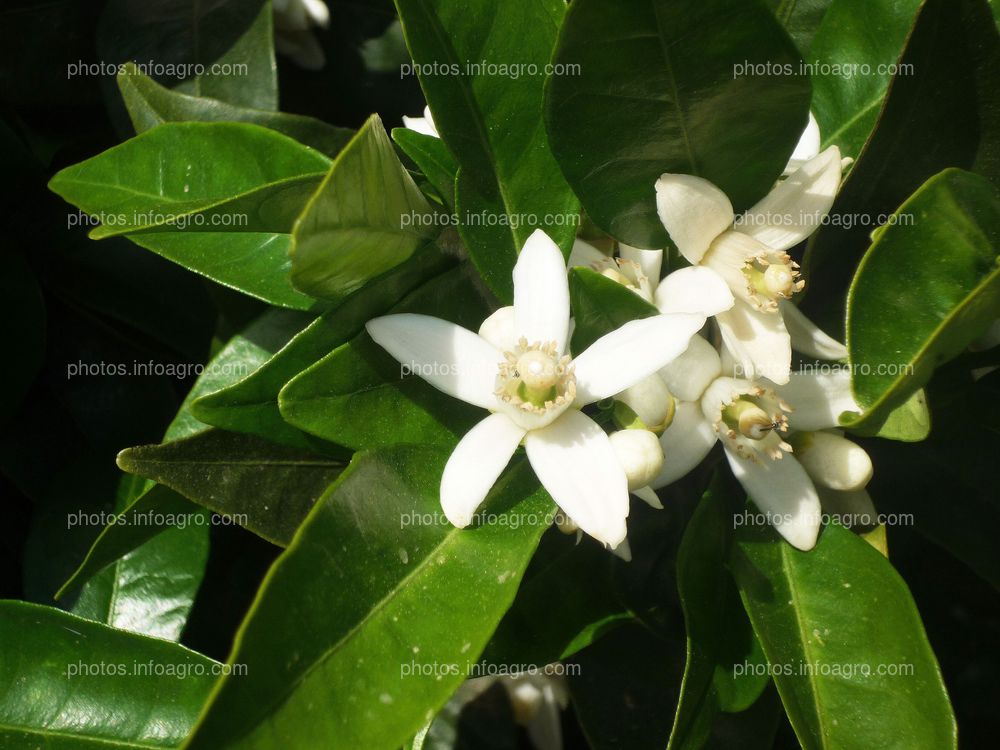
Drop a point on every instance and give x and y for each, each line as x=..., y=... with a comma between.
x=367, y=217
x=663, y=86
x=433, y=158
x=375, y=579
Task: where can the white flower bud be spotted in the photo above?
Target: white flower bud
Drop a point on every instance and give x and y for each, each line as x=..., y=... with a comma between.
x=639, y=454
x=832, y=460
x=651, y=401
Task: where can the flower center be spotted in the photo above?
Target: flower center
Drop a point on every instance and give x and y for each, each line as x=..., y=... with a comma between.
x=772, y=277
x=754, y=423
x=535, y=378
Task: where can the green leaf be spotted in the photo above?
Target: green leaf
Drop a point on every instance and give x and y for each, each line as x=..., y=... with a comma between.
x=659, y=88
x=720, y=641
x=150, y=104
x=845, y=643
x=251, y=405
x=801, y=19
x=360, y=397
x=157, y=189
x=367, y=595
x=578, y=585
x=601, y=305
x=181, y=35
x=909, y=422
x=928, y=286
x=489, y=117
x=433, y=158
x=846, y=96
x=367, y=217
x=266, y=488
x=152, y=510
x=72, y=684
x=952, y=58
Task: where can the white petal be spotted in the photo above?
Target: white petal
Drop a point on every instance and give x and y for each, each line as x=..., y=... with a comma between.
x=796, y=207
x=649, y=261
x=834, y=461
x=474, y=466
x=693, y=211
x=818, y=398
x=627, y=355
x=758, y=341
x=623, y=552
x=685, y=443
x=541, y=292
x=648, y=496
x=447, y=356
x=729, y=255
x=694, y=290
x=806, y=148
x=784, y=492
x=690, y=374
x=807, y=337
x=584, y=254
x=498, y=329
x=423, y=124
x=574, y=460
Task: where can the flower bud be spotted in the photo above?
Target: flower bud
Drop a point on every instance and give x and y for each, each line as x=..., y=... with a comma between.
x=639, y=454
x=650, y=401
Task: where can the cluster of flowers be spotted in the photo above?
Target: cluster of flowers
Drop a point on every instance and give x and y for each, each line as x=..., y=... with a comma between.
x=682, y=382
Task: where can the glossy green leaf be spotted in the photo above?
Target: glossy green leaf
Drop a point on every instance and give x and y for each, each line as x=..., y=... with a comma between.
x=601, y=305
x=359, y=587
x=433, y=158
x=150, y=104
x=952, y=54
x=152, y=510
x=157, y=188
x=801, y=19
x=576, y=583
x=720, y=642
x=235, y=35
x=71, y=684
x=481, y=65
x=251, y=405
x=266, y=488
x=845, y=643
x=855, y=67
x=925, y=290
x=360, y=397
x=367, y=217
x=659, y=88
x=909, y=422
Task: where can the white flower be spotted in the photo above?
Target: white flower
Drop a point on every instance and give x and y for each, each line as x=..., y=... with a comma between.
x=519, y=368
x=758, y=427
x=293, y=23
x=423, y=124
x=536, y=700
x=749, y=252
